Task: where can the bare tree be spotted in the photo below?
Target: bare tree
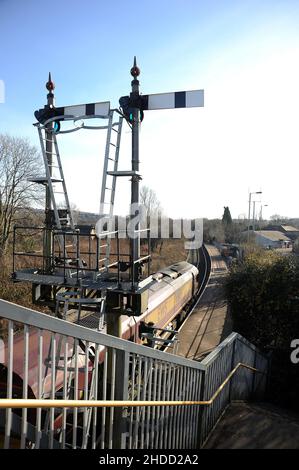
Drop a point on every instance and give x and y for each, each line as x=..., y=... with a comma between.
x=278, y=219
x=148, y=198
x=153, y=209
x=75, y=212
x=19, y=161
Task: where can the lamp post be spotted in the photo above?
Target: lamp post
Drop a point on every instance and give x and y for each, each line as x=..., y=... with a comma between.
x=253, y=217
x=261, y=211
x=249, y=211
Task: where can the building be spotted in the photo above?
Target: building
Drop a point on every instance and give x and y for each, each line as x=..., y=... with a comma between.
x=272, y=239
x=288, y=230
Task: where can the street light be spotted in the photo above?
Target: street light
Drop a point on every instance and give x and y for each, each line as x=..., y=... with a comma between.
x=249, y=209
x=261, y=211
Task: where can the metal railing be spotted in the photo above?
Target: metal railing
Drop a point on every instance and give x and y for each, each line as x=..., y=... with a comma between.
x=34, y=403
x=45, y=358
x=70, y=248
x=243, y=386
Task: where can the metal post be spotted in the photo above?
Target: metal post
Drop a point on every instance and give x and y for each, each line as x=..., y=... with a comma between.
x=64, y=257
x=98, y=241
x=253, y=376
x=135, y=241
x=118, y=260
x=253, y=216
x=121, y=393
x=13, y=249
x=148, y=252
x=261, y=211
x=114, y=323
x=77, y=254
x=48, y=248
x=201, y=435
x=230, y=393
x=256, y=192
x=249, y=209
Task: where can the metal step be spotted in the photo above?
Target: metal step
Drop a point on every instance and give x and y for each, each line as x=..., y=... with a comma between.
x=124, y=173
x=44, y=180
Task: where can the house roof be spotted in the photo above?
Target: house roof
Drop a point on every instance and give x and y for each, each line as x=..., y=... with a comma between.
x=273, y=235
x=290, y=228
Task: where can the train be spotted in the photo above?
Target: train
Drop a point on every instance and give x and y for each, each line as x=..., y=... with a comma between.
x=173, y=288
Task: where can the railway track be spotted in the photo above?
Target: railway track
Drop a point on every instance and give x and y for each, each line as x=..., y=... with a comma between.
x=203, y=263
x=205, y=319
x=204, y=326
x=201, y=259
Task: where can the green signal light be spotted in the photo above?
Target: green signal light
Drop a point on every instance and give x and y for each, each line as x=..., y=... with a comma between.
x=56, y=126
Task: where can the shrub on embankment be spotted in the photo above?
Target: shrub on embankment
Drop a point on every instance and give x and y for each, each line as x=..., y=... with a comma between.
x=19, y=293
x=263, y=295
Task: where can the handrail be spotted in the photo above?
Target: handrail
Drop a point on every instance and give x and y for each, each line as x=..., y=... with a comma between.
x=43, y=321
x=34, y=403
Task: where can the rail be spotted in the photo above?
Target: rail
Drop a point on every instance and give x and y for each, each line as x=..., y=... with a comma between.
x=70, y=249
x=202, y=260
x=27, y=403
x=45, y=358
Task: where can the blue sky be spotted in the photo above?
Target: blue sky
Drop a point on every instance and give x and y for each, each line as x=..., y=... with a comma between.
x=245, y=54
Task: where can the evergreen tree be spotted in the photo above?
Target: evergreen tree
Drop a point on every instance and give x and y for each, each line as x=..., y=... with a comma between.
x=227, y=218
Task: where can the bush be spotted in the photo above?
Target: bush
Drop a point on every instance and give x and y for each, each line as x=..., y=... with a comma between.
x=20, y=292
x=263, y=295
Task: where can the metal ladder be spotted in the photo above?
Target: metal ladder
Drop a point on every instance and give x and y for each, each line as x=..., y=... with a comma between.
x=110, y=173
x=62, y=215
x=70, y=297
x=71, y=389
x=65, y=220
x=89, y=393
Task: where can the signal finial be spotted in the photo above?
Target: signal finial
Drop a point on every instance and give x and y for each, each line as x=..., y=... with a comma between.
x=135, y=71
x=50, y=85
